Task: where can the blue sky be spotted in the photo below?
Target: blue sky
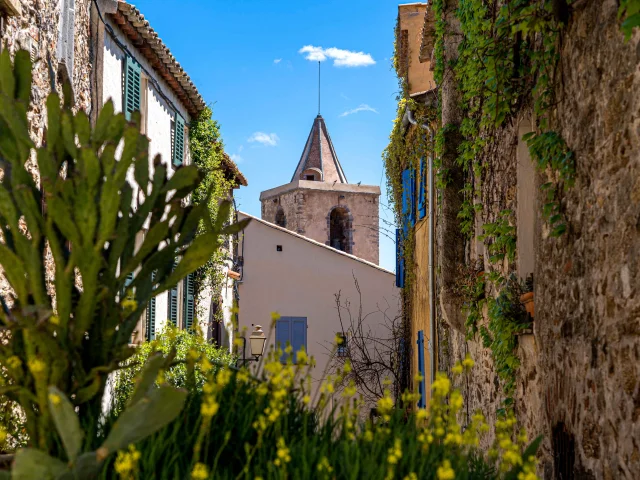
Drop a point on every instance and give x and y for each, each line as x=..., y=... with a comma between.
x=244, y=57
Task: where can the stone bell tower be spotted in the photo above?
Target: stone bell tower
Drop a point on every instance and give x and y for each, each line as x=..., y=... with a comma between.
x=320, y=204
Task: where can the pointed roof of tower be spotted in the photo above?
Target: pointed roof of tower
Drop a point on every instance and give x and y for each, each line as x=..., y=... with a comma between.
x=320, y=156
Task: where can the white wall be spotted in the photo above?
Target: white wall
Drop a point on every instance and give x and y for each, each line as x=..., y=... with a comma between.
x=159, y=114
x=302, y=281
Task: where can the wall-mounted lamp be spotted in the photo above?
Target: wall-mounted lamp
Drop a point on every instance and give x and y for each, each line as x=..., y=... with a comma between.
x=257, y=342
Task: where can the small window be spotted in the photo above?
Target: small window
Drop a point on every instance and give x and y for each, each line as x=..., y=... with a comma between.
x=177, y=140
x=291, y=331
x=310, y=177
x=343, y=346
x=278, y=248
x=281, y=219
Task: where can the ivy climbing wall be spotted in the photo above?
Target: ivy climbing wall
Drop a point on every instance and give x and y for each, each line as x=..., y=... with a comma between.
x=537, y=164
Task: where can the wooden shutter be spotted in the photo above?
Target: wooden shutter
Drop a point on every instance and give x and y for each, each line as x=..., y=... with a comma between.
x=283, y=335
x=422, y=188
x=172, y=303
x=151, y=315
x=67, y=37
x=188, y=302
x=399, y=259
x=178, y=141
x=298, y=335
x=131, y=91
x=422, y=403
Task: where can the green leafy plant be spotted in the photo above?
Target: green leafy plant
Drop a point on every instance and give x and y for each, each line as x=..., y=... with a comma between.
x=148, y=409
x=507, y=317
x=186, y=346
x=82, y=219
x=471, y=287
x=629, y=11
x=502, y=236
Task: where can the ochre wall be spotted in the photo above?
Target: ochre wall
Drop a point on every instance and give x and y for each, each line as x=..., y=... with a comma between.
x=420, y=76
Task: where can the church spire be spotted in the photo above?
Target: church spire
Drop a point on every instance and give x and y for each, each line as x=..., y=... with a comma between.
x=319, y=161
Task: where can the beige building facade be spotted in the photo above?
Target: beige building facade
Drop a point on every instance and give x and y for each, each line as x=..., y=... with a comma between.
x=298, y=278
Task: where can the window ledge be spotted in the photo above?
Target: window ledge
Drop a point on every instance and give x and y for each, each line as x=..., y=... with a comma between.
x=12, y=7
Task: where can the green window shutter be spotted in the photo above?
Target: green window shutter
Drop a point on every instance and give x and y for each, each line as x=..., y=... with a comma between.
x=188, y=302
x=151, y=315
x=131, y=91
x=173, y=302
x=178, y=141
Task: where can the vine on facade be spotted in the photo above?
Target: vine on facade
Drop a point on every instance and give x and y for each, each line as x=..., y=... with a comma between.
x=207, y=152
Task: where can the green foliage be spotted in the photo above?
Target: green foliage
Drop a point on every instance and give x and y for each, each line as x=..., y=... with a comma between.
x=502, y=236
x=507, y=317
x=471, y=287
x=549, y=150
x=185, y=345
x=207, y=152
x=629, y=11
x=147, y=412
x=247, y=438
x=83, y=218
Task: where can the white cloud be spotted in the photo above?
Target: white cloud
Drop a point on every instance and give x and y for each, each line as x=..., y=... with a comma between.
x=341, y=58
x=363, y=107
x=266, y=139
x=277, y=60
x=240, y=148
x=237, y=159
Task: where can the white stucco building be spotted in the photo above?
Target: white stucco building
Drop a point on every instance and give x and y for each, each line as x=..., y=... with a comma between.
x=136, y=70
x=298, y=277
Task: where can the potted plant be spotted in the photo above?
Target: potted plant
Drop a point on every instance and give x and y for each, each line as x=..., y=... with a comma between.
x=527, y=296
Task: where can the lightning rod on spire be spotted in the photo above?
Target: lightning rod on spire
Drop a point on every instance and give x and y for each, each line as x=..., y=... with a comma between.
x=318, y=87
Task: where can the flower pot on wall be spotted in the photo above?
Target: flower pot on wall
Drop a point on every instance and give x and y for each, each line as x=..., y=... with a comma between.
x=527, y=300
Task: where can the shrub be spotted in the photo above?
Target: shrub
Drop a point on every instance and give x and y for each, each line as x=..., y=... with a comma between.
x=240, y=426
x=186, y=345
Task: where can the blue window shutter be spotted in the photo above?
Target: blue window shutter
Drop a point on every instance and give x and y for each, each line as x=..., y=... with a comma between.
x=128, y=280
x=283, y=335
x=298, y=334
x=406, y=200
x=422, y=200
x=422, y=403
x=412, y=205
x=399, y=259
x=178, y=141
x=131, y=89
x=188, y=302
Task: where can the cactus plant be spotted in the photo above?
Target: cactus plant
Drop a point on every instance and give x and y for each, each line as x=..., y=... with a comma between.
x=96, y=191
x=149, y=410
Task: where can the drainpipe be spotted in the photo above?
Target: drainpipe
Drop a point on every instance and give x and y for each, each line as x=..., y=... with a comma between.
x=406, y=119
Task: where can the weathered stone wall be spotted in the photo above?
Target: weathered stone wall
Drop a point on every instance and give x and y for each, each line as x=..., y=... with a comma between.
x=308, y=207
x=37, y=31
x=579, y=379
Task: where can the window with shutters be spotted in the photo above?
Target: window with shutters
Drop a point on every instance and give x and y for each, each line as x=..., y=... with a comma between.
x=422, y=189
x=177, y=140
x=422, y=403
x=399, y=259
x=291, y=331
x=66, y=35
x=131, y=87
x=408, y=200
x=188, y=302
x=150, y=326
x=172, y=304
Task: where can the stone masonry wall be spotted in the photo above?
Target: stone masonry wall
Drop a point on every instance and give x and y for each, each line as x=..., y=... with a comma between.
x=307, y=212
x=36, y=30
x=579, y=380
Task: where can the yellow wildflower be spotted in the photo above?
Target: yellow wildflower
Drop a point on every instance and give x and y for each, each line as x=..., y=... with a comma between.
x=275, y=316
x=209, y=408
x=3, y=435
x=445, y=472
x=282, y=453
x=127, y=462
x=411, y=476
x=37, y=366
x=14, y=362
x=54, y=320
x=324, y=466
x=395, y=452
x=457, y=369
x=223, y=377
x=55, y=399
x=368, y=436
x=468, y=362
x=306, y=399
x=456, y=401
x=129, y=305
x=441, y=385
x=199, y=472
